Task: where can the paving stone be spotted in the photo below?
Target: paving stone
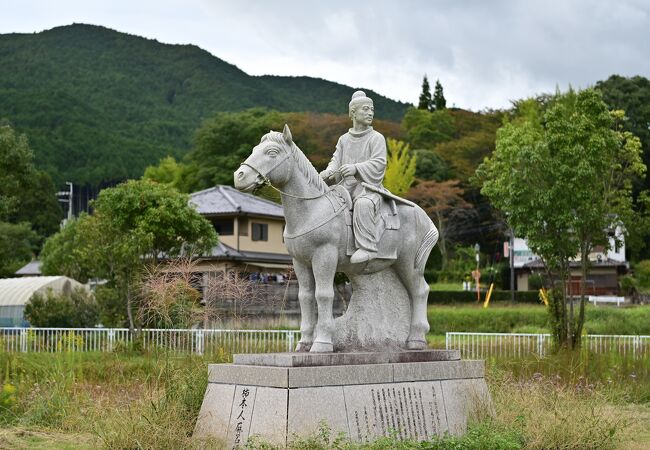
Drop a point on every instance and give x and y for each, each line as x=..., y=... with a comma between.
x=463, y=400
x=309, y=407
x=249, y=375
x=340, y=375
x=412, y=400
x=338, y=359
x=241, y=416
x=438, y=370
x=214, y=415
x=270, y=415
x=410, y=410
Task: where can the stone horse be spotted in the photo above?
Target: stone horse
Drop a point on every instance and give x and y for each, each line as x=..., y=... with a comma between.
x=316, y=238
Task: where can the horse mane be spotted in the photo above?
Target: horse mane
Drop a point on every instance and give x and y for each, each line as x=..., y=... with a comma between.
x=305, y=166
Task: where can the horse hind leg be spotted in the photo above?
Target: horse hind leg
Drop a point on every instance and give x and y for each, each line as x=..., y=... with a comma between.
x=418, y=290
x=307, y=299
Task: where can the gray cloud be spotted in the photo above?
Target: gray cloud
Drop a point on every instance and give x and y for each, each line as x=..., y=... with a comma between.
x=485, y=53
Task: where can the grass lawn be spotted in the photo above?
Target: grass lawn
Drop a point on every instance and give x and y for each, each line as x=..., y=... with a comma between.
x=65, y=401
x=446, y=286
x=526, y=318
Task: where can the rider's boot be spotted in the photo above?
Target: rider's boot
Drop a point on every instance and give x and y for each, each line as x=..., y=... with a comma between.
x=361, y=256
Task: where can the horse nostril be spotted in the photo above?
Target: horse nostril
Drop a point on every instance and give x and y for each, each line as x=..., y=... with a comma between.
x=240, y=174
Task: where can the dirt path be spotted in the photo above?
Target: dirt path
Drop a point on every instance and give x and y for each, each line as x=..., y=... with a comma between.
x=19, y=439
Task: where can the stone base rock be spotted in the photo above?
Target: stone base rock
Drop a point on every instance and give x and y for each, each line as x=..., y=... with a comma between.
x=411, y=400
x=378, y=316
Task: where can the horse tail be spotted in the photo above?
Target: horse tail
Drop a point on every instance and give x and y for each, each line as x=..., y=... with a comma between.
x=428, y=240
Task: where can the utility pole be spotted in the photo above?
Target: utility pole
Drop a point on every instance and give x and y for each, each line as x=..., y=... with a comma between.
x=477, y=249
x=511, y=255
x=69, y=193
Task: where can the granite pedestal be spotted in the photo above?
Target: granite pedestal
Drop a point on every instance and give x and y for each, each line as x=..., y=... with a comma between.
x=412, y=395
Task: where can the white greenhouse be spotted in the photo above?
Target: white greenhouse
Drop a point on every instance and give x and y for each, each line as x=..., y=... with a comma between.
x=16, y=292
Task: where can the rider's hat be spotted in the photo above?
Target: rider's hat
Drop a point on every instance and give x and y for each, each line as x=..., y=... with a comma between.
x=359, y=97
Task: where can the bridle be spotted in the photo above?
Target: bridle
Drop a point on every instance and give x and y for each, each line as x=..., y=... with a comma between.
x=267, y=182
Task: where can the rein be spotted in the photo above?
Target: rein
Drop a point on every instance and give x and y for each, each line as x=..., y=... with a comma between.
x=268, y=182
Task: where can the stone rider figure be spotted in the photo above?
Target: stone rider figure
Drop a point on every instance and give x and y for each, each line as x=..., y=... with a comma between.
x=360, y=156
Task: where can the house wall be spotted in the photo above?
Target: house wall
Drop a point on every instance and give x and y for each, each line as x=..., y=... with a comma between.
x=600, y=281
x=522, y=281
x=242, y=237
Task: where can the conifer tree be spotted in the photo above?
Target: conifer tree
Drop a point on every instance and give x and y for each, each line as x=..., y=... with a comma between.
x=425, y=96
x=439, y=103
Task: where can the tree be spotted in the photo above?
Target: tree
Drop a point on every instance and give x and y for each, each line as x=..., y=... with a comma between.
x=74, y=308
x=26, y=195
x=222, y=143
x=134, y=225
x=167, y=171
x=66, y=252
x=16, y=167
x=425, y=97
x=430, y=166
x=633, y=96
x=17, y=245
x=438, y=103
x=441, y=200
x=400, y=167
x=563, y=178
x=424, y=129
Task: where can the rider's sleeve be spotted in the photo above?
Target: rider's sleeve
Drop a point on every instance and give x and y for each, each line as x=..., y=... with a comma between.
x=373, y=169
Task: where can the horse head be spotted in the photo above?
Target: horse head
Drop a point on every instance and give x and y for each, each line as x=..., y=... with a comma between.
x=270, y=161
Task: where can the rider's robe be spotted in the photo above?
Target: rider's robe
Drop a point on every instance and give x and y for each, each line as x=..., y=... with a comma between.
x=367, y=151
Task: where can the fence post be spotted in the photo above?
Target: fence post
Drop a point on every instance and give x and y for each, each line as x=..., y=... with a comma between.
x=111, y=339
x=198, y=343
x=290, y=341
x=540, y=345
x=447, y=340
x=23, y=340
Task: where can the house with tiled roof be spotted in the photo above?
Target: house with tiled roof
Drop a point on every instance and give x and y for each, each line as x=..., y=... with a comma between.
x=250, y=231
x=606, y=266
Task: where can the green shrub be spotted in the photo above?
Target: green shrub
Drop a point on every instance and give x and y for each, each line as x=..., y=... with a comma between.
x=642, y=272
x=70, y=309
x=535, y=282
x=452, y=297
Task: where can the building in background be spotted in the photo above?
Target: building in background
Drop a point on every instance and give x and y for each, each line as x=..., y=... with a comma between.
x=16, y=292
x=606, y=266
x=250, y=232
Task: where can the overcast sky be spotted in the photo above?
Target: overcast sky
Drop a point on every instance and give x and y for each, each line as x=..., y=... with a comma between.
x=485, y=52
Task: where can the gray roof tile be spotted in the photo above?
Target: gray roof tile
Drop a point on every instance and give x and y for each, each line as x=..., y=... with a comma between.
x=227, y=200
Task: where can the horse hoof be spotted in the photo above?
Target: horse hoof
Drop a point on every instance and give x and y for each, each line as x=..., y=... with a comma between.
x=303, y=347
x=416, y=345
x=321, y=347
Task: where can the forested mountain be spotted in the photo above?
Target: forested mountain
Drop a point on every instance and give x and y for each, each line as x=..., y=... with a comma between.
x=100, y=105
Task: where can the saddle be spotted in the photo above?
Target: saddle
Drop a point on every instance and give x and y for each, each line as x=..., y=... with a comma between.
x=389, y=222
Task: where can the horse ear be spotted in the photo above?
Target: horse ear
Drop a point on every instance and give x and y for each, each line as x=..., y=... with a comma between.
x=286, y=134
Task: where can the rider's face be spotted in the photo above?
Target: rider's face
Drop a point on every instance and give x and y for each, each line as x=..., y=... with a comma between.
x=364, y=113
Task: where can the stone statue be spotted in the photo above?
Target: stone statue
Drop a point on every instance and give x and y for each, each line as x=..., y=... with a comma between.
x=360, y=156
x=382, y=245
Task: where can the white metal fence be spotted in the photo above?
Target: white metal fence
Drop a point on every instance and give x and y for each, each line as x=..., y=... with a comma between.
x=197, y=341
x=200, y=341
x=484, y=345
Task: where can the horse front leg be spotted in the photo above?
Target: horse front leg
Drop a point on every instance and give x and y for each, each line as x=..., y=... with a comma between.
x=324, y=267
x=306, y=297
